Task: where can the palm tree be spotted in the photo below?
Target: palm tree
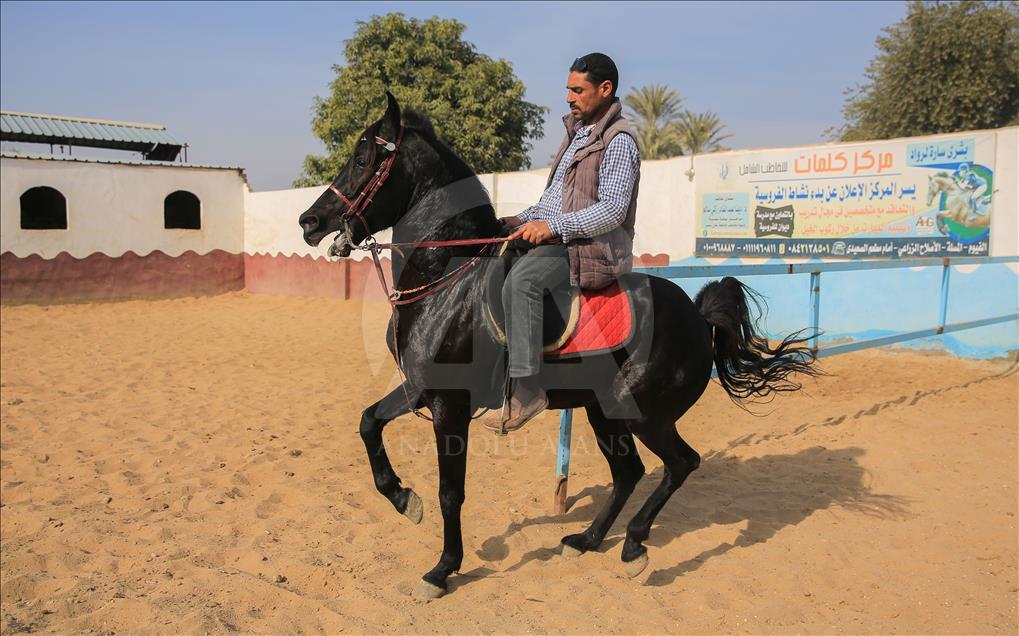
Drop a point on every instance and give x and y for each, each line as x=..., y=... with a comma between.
x=701, y=132
x=655, y=113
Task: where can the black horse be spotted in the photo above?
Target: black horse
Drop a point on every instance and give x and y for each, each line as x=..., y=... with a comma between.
x=453, y=365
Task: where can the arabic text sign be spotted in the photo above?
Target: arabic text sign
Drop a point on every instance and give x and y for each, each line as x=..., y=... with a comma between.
x=884, y=199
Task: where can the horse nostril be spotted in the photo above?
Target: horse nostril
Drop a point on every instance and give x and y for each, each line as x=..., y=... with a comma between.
x=309, y=222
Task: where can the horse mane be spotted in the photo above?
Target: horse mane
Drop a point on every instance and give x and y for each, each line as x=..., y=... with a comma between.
x=472, y=220
x=422, y=124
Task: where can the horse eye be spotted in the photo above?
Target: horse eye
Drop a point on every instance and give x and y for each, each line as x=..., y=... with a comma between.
x=360, y=162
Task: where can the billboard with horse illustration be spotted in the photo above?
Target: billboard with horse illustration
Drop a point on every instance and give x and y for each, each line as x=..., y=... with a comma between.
x=895, y=199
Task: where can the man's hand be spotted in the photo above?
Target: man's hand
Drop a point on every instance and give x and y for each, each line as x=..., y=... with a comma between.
x=535, y=232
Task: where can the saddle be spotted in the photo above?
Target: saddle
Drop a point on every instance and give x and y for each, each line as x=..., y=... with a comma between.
x=575, y=321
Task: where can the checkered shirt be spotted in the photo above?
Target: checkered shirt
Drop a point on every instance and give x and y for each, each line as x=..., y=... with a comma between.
x=616, y=176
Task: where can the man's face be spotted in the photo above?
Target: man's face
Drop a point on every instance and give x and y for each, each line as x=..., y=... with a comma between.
x=586, y=99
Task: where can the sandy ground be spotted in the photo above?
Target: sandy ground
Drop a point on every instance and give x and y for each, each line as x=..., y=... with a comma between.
x=194, y=466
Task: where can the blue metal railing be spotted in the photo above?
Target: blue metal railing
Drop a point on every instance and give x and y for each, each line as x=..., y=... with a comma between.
x=816, y=269
x=814, y=314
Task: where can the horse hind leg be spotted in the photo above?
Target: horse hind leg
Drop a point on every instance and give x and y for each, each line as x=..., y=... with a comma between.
x=680, y=460
x=373, y=420
x=617, y=445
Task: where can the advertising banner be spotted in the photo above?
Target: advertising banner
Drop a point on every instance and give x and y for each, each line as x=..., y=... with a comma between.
x=894, y=199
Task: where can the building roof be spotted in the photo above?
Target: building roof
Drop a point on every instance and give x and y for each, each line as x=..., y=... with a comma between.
x=117, y=162
x=152, y=140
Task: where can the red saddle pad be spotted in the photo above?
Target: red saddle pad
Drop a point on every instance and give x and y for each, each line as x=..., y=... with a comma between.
x=605, y=323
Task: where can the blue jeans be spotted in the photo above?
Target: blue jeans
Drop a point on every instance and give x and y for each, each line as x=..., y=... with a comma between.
x=543, y=268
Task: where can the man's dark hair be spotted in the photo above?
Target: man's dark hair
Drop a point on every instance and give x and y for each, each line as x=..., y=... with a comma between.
x=599, y=67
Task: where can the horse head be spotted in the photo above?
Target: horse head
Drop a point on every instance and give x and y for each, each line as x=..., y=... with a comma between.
x=932, y=189
x=937, y=183
x=372, y=191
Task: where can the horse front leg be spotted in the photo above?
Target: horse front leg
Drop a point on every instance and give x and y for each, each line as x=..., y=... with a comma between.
x=373, y=420
x=450, y=424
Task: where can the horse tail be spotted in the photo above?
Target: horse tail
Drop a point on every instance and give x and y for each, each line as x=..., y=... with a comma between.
x=748, y=367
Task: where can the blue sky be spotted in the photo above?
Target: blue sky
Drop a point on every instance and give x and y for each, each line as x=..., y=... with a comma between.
x=236, y=80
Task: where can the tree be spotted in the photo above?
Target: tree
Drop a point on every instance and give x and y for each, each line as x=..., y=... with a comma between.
x=654, y=110
x=475, y=103
x=946, y=67
x=701, y=132
x=664, y=131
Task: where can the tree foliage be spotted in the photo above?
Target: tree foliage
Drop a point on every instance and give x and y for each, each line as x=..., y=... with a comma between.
x=946, y=67
x=654, y=111
x=663, y=130
x=701, y=132
x=475, y=103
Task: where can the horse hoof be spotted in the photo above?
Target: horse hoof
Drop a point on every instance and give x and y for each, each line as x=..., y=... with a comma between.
x=428, y=592
x=635, y=567
x=570, y=552
x=414, y=510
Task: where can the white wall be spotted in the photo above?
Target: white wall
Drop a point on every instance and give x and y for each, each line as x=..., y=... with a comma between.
x=270, y=224
x=666, y=205
x=115, y=208
x=666, y=214
x=271, y=218
x=514, y=191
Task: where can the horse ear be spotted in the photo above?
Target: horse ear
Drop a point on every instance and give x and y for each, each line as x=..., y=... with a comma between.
x=392, y=116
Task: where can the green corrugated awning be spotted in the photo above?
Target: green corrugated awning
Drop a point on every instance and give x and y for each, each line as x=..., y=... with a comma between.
x=152, y=140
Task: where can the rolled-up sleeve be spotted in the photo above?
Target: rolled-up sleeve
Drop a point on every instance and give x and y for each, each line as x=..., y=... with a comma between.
x=617, y=174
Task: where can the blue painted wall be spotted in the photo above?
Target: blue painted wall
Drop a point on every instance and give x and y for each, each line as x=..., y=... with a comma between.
x=866, y=304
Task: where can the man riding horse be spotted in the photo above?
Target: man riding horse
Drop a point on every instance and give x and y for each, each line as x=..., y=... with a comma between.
x=400, y=175
x=582, y=225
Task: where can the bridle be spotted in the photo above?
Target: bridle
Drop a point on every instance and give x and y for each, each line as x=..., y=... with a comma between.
x=402, y=296
x=364, y=199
